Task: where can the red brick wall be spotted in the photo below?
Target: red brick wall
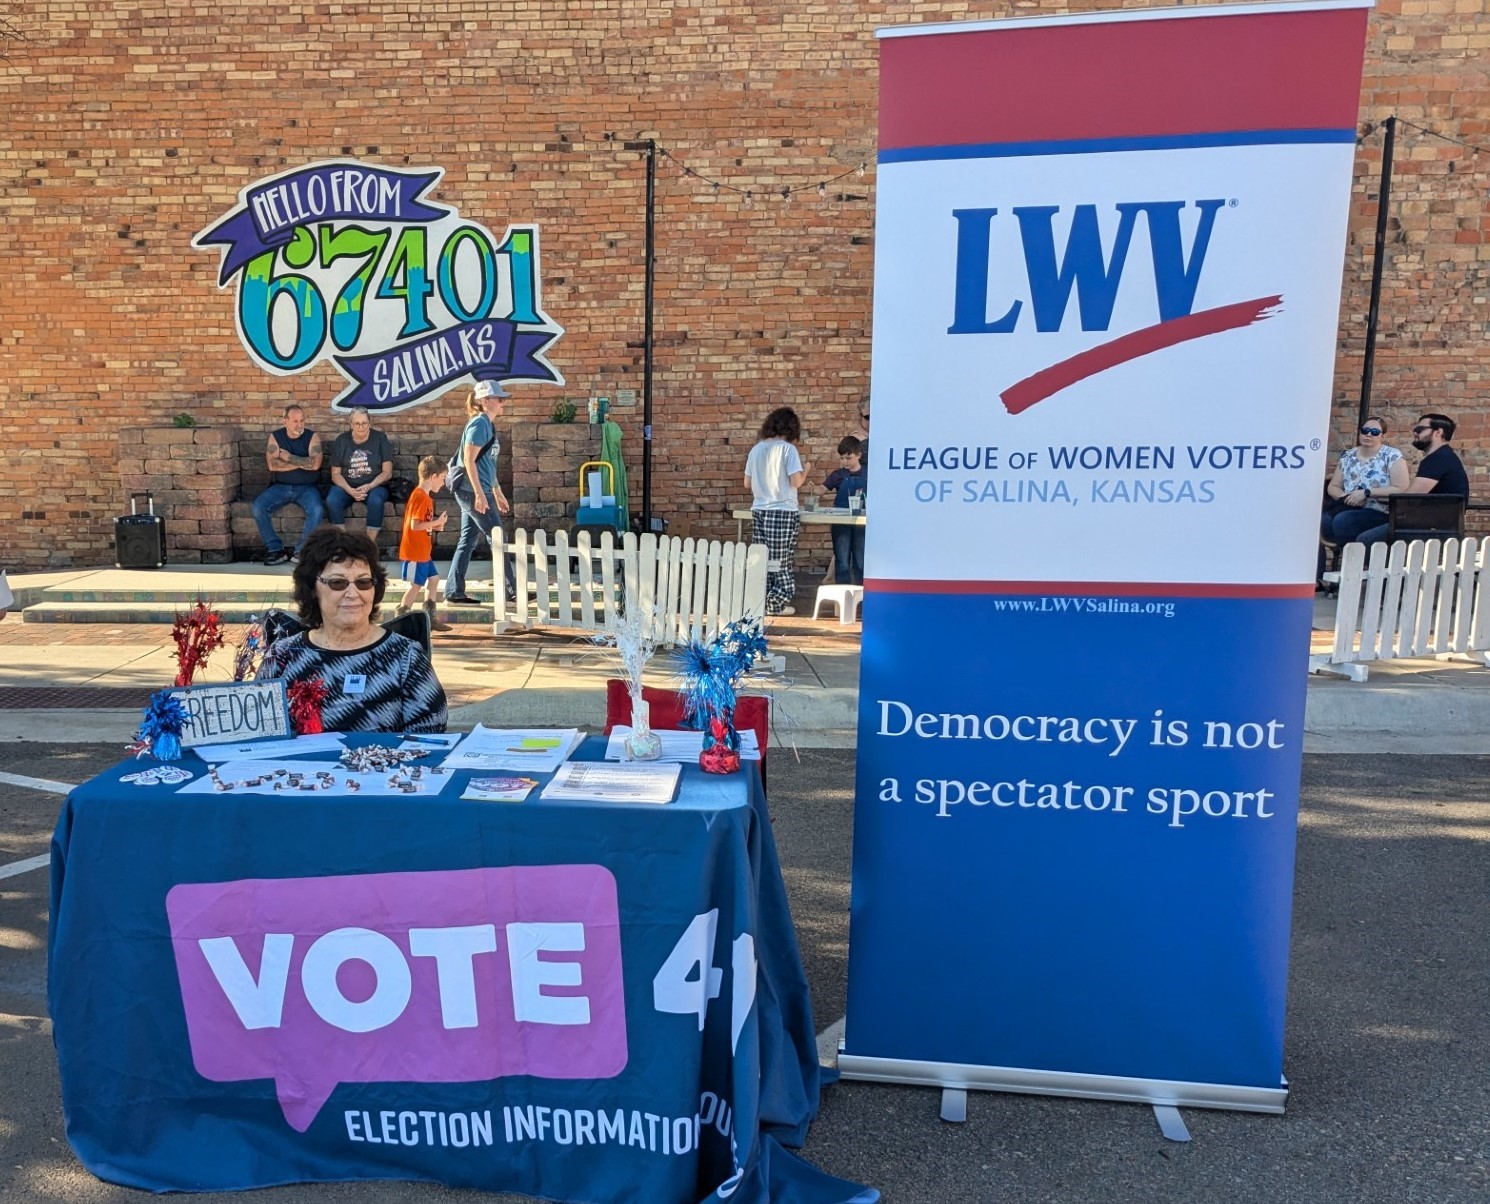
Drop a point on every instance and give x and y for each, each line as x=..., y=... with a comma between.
x=129, y=127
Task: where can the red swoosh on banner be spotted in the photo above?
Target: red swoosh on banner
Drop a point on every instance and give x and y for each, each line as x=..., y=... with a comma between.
x=1019, y=396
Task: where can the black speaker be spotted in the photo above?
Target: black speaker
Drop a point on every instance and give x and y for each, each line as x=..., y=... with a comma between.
x=140, y=539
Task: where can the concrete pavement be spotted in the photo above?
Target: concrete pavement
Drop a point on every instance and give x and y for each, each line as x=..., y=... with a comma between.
x=545, y=676
x=1387, y=1031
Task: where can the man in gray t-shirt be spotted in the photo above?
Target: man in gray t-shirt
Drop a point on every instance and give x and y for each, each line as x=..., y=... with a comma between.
x=361, y=464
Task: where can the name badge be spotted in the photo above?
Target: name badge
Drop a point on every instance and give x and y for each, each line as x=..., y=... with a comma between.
x=354, y=683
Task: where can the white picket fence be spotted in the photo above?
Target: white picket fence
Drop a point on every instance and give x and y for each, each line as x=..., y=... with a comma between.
x=689, y=588
x=1418, y=598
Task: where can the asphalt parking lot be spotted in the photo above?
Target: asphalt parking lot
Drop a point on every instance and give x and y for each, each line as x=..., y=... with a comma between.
x=1388, y=1029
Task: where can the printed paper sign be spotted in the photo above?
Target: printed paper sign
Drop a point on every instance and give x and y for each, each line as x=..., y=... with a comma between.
x=448, y=976
x=349, y=262
x=237, y=710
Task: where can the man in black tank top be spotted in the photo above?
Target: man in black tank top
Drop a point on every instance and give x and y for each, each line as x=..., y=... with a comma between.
x=293, y=454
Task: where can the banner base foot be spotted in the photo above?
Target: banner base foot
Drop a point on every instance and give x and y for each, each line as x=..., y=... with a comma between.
x=954, y=1105
x=1171, y=1123
x=957, y=1079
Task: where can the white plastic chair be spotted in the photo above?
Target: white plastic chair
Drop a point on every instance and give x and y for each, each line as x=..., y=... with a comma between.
x=845, y=597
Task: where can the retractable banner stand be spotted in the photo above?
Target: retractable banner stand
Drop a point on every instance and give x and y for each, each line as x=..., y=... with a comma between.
x=1108, y=265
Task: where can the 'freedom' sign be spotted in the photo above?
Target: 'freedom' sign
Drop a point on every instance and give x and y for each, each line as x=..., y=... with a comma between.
x=238, y=710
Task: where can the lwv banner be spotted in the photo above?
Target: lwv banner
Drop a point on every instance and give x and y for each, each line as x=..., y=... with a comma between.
x=1108, y=264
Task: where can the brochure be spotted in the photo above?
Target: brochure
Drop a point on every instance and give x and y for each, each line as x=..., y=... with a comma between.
x=681, y=746
x=499, y=790
x=605, y=782
x=270, y=750
x=515, y=750
x=316, y=780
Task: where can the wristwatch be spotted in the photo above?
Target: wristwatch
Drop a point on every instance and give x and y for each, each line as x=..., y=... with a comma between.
x=1367, y=491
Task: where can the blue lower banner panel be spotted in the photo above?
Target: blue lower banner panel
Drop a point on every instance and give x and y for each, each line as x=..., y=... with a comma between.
x=1074, y=834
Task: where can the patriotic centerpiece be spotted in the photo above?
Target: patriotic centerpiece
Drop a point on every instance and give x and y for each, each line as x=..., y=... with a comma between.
x=712, y=671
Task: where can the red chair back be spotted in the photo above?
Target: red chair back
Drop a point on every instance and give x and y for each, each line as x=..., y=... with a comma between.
x=666, y=712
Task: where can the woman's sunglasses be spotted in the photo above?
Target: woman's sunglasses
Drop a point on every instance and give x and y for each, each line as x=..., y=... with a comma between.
x=1370, y=430
x=338, y=585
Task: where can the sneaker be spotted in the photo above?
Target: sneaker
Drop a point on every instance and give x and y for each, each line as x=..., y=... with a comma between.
x=462, y=600
x=787, y=610
x=280, y=557
x=295, y=559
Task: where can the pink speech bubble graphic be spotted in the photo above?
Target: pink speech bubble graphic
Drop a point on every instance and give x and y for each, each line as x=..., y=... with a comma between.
x=448, y=976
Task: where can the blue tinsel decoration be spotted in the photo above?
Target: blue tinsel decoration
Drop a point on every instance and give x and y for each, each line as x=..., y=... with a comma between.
x=160, y=731
x=711, y=671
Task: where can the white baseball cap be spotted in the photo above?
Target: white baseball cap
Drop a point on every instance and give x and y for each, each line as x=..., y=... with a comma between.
x=490, y=388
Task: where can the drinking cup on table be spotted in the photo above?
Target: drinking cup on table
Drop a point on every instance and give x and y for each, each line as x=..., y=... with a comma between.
x=809, y=502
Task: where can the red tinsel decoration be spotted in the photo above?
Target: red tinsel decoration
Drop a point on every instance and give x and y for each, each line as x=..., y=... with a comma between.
x=196, y=633
x=306, y=698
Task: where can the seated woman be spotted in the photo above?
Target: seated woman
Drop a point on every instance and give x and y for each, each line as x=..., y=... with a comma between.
x=376, y=681
x=1370, y=465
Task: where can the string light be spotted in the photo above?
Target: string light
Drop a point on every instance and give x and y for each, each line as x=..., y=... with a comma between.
x=1422, y=129
x=747, y=195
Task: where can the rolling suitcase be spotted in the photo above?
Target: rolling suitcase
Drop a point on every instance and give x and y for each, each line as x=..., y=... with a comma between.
x=140, y=539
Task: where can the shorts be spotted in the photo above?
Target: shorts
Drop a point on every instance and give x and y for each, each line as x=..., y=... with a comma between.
x=418, y=571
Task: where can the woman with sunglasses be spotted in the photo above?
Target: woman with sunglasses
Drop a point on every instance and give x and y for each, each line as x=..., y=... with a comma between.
x=376, y=680
x=1364, y=469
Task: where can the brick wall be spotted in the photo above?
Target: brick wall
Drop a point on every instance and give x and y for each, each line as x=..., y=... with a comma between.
x=192, y=476
x=131, y=126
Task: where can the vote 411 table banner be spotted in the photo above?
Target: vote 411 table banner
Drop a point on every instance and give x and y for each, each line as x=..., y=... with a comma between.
x=1108, y=265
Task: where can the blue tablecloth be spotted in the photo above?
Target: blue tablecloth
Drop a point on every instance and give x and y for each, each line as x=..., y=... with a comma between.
x=576, y=1001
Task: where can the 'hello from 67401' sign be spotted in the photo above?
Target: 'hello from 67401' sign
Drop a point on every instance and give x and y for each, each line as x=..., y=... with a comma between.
x=345, y=261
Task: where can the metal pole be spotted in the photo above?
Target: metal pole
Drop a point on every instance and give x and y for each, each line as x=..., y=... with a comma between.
x=647, y=336
x=650, y=146
x=1383, y=199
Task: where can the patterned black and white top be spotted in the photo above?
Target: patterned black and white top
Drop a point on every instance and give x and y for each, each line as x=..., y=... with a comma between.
x=389, y=686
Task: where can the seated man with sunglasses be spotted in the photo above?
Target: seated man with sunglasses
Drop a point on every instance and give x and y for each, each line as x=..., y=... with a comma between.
x=1362, y=477
x=1440, y=470
x=376, y=680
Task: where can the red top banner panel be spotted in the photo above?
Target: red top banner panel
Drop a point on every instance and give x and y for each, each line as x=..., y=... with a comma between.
x=1200, y=74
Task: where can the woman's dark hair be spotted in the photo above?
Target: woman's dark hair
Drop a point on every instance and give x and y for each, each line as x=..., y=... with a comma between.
x=781, y=423
x=332, y=545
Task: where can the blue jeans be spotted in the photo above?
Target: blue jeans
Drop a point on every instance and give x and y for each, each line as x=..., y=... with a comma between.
x=473, y=528
x=1360, y=523
x=848, y=554
x=338, y=500
x=277, y=497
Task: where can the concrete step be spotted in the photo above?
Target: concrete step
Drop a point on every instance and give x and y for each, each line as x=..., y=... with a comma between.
x=271, y=592
x=165, y=611
x=132, y=597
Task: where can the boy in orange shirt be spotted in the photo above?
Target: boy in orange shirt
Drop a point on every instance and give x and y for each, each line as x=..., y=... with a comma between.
x=416, y=547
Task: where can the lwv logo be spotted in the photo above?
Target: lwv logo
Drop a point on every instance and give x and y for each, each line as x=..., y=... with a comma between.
x=1095, y=276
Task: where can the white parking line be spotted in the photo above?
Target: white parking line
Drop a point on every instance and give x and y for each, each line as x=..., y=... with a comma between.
x=21, y=867
x=51, y=787
x=827, y=1042
x=16, y=779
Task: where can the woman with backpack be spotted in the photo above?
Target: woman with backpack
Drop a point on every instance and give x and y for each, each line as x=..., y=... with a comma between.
x=472, y=481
